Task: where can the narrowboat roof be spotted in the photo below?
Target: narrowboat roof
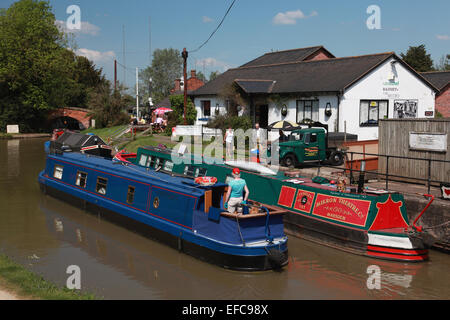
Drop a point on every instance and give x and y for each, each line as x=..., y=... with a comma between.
x=135, y=172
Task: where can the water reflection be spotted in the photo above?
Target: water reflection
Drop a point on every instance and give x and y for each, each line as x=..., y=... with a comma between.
x=48, y=235
x=13, y=150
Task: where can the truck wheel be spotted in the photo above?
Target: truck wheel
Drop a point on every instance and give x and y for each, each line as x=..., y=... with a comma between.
x=336, y=158
x=290, y=161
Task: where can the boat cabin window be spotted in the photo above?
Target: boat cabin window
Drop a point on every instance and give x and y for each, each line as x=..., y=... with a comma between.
x=200, y=172
x=130, y=194
x=81, y=179
x=168, y=165
x=143, y=160
x=157, y=161
x=189, y=171
x=101, y=185
x=58, y=172
x=194, y=172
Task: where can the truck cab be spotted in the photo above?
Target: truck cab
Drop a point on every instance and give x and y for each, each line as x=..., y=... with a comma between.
x=308, y=145
x=303, y=145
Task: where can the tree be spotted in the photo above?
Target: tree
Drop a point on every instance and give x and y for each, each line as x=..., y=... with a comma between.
x=167, y=65
x=176, y=117
x=443, y=64
x=213, y=75
x=32, y=64
x=107, y=106
x=38, y=72
x=418, y=58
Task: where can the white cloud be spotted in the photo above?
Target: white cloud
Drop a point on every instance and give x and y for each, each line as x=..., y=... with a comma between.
x=291, y=17
x=206, y=19
x=86, y=28
x=96, y=56
x=213, y=64
x=443, y=37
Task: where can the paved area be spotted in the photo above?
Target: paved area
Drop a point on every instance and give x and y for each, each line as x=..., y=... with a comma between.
x=5, y=295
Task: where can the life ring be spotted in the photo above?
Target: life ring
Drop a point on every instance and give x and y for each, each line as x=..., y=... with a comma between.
x=206, y=181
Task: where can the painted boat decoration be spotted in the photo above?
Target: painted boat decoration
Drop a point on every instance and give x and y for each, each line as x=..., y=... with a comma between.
x=172, y=209
x=374, y=223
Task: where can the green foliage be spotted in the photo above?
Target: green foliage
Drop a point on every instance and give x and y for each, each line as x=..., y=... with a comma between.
x=37, y=71
x=107, y=107
x=443, y=63
x=177, y=116
x=418, y=58
x=224, y=122
x=167, y=65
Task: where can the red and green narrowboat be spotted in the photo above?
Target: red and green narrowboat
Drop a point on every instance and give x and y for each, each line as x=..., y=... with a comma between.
x=372, y=224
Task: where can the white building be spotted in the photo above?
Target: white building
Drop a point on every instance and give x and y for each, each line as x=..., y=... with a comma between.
x=350, y=93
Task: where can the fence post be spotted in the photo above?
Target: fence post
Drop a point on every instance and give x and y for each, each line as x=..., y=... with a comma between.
x=351, y=168
x=387, y=173
x=429, y=175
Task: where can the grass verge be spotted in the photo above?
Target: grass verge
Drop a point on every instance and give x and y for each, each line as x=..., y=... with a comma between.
x=25, y=284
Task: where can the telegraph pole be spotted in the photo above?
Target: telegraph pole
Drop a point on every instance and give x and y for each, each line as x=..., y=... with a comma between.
x=115, y=75
x=185, y=56
x=137, y=93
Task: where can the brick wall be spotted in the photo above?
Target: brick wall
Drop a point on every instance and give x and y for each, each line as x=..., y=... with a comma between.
x=320, y=55
x=442, y=103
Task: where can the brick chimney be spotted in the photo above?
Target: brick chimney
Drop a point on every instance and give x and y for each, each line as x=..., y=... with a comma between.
x=177, y=85
x=193, y=74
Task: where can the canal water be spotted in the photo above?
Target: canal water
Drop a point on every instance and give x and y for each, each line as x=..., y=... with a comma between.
x=47, y=236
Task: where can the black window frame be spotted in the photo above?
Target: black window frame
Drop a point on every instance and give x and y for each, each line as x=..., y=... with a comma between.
x=367, y=123
x=130, y=194
x=54, y=171
x=85, y=179
x=98, y=183
x=304, y=108
x=206, y=114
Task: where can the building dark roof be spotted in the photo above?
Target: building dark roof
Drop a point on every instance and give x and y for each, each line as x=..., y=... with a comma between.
x=328, y=75
x=310, y=76
x=294, y=55
x=256, y=86
x=440, y=79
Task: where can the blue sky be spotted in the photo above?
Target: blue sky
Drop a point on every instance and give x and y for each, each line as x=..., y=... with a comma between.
x=252, y=28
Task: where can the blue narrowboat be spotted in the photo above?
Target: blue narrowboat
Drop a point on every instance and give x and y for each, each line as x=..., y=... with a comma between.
x=174, y=210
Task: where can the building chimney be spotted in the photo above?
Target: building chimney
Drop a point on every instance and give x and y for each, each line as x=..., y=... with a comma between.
x=193, y=74
x=177, y=85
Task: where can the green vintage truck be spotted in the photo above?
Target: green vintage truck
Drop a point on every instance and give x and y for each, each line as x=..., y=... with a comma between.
x=311, y=145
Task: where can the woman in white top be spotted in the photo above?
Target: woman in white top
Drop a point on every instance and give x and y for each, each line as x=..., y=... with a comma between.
x=229, y=140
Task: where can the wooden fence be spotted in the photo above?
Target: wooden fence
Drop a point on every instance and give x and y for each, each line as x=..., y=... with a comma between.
x=425, y=139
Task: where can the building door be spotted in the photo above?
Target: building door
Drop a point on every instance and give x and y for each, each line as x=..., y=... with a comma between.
x=262, y=116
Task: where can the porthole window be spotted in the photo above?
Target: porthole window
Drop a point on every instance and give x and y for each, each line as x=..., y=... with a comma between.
x=156, y=202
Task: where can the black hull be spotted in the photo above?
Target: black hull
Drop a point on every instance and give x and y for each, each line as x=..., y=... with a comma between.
x=350, y=240
x=227, y=261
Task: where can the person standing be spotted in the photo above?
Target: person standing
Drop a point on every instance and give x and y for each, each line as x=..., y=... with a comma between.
x=234, y=197
x=229, y=142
